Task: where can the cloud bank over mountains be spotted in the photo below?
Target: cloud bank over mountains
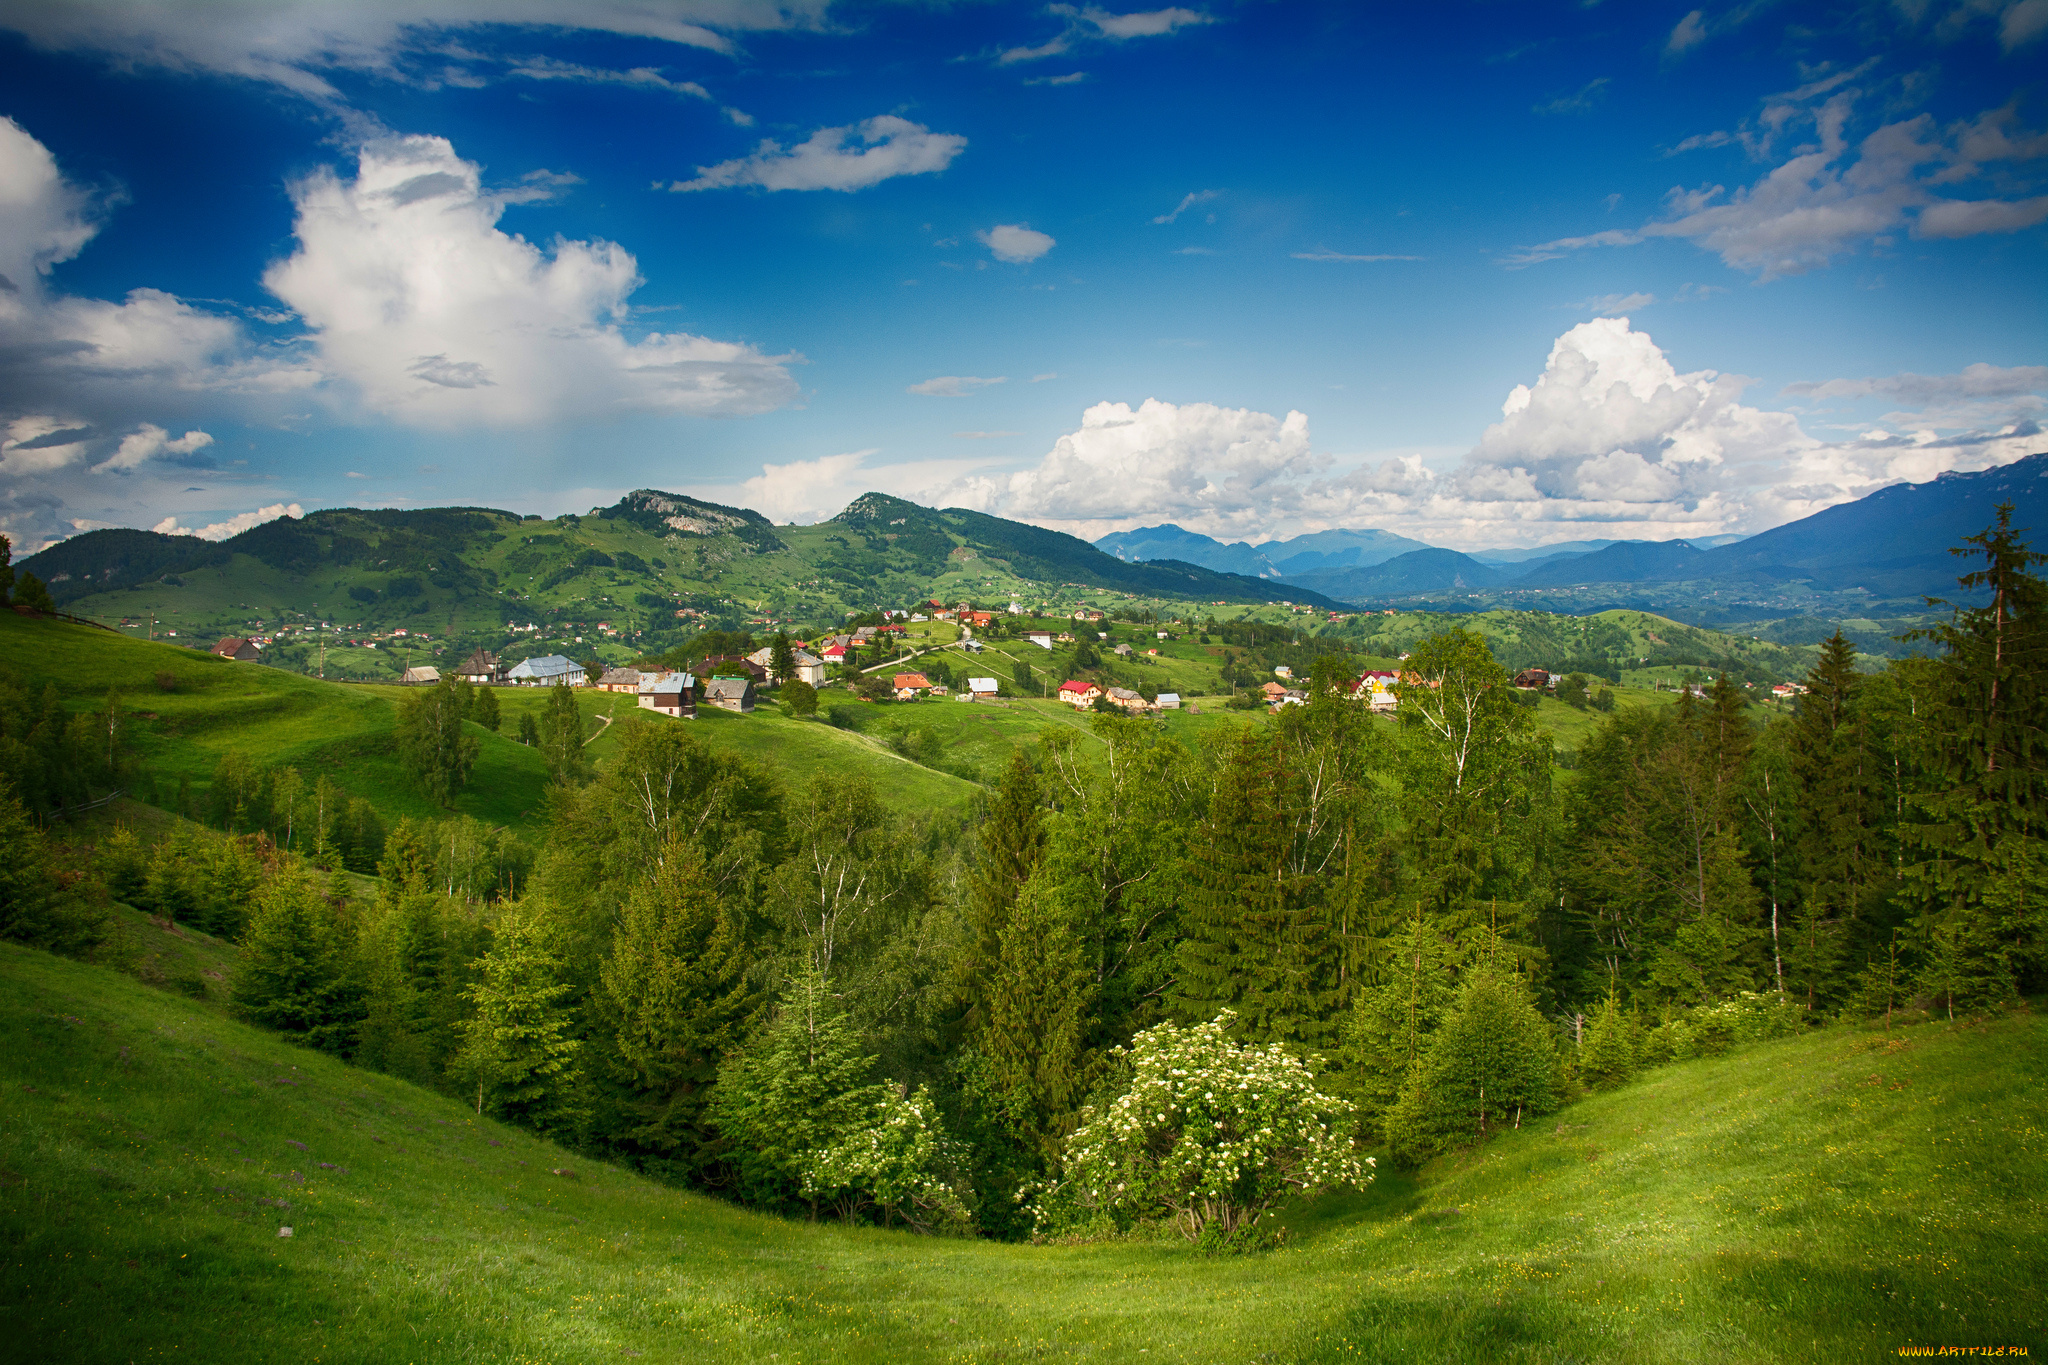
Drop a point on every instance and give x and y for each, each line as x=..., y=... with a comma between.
x=1610, y=440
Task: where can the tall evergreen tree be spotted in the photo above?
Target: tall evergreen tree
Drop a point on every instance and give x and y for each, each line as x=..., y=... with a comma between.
x=294, y=973
x=1257, y=941
x=804, y=1084
x=1980, y=825
x=1011, y=845
x=677, y=994
x=431, y=743
x=1038, y=1017
x=782, y=658
x=1840, y=866
x=519, y=1047
x=1389, y=1028
x=1491, y=1064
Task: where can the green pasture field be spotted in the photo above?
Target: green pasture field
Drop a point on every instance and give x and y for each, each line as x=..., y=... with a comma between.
x=1828, y=1198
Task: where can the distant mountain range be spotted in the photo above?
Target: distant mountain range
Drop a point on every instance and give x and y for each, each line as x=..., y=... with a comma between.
x=1892, y=544
x=1270, y=559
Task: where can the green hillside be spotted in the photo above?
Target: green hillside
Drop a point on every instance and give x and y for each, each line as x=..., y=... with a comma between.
x=188, y=709
x=1827, y=1198
x=609, y=583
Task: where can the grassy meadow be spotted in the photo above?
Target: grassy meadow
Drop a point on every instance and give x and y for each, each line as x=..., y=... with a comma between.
x=1827, y=1198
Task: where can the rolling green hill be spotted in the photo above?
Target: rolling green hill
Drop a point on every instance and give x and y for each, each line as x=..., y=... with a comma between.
x=1826, y=1198
x=609, y=583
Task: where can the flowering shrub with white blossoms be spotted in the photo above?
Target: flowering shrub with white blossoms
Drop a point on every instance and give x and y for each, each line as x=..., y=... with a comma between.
x=894, y=1163
x=1211, y=1131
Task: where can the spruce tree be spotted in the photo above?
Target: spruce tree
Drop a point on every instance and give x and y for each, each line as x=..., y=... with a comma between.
x=1038, y=1017
x=1609, y=1055
x=1490, y=1065
x=1257, y=941
x=518, y=1048
x=1012, y=844
x=293, y=976
x=1389, y=1029
x=1835, y=846
x=1980, y=827
x=782, y=659
x=804, y=1084
x=676, y=990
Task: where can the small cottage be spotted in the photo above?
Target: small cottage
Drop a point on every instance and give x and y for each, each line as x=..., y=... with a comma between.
x=730, y=694
x=669, y=694
x=235, y=647
x=620, y=680
x=423, y=676
x=481, y=668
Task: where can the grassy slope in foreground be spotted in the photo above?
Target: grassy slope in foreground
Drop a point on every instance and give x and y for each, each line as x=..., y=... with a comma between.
x=1828, y=1198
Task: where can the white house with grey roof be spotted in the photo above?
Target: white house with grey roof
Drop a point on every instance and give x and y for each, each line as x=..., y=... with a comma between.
x=546, y=670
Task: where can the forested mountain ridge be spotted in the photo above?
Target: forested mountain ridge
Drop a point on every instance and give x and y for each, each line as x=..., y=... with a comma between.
x=632, y=566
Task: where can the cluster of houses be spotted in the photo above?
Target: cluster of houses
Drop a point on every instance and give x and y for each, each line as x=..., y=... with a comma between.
x=1082, y=696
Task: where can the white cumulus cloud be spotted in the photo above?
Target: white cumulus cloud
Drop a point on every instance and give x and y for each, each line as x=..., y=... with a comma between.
x=1015, y=243
x=149, y=441
x=415, y=298
x=847, y=159
x=1609, y=439
x=233, y=526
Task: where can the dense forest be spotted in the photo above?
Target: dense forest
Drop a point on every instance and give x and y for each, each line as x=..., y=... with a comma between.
x=1370, y=935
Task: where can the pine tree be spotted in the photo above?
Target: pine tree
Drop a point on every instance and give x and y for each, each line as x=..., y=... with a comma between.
x=1389, y=1029
x=1038, y=1017
x=1257, y=938
x=36, y=906
x=804, y=1084
x=782, y=659
x=294, y=973
x=518, y=1048
x=677, y=993
x=1612, y=1048
x=1012, y=844
x=1490, y=1065
x=1980, y=884
x=1835, y=846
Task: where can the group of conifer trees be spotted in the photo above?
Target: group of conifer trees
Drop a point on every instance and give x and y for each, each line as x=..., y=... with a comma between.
x=718, y=977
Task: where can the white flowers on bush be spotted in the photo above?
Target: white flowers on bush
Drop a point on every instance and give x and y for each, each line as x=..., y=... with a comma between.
x=1210, y=1131
x=893, y=1163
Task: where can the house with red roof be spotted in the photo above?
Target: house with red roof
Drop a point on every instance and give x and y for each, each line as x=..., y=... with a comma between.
x=1079, y=695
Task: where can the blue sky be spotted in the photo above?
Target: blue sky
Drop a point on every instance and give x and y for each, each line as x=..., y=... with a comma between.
x=1483, y=274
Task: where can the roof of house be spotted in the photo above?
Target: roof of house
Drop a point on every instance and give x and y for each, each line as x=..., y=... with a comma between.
x=1169, y=699
x=545, y=666
x=728, y=689
x=233, y=644
x=666, y=682
x=1123, y=694
x=619, y=677
x=981, y=685
x=424, y=673
x=904, y=680
x=804, y=658
x=1077, y=687
x=835, y=651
